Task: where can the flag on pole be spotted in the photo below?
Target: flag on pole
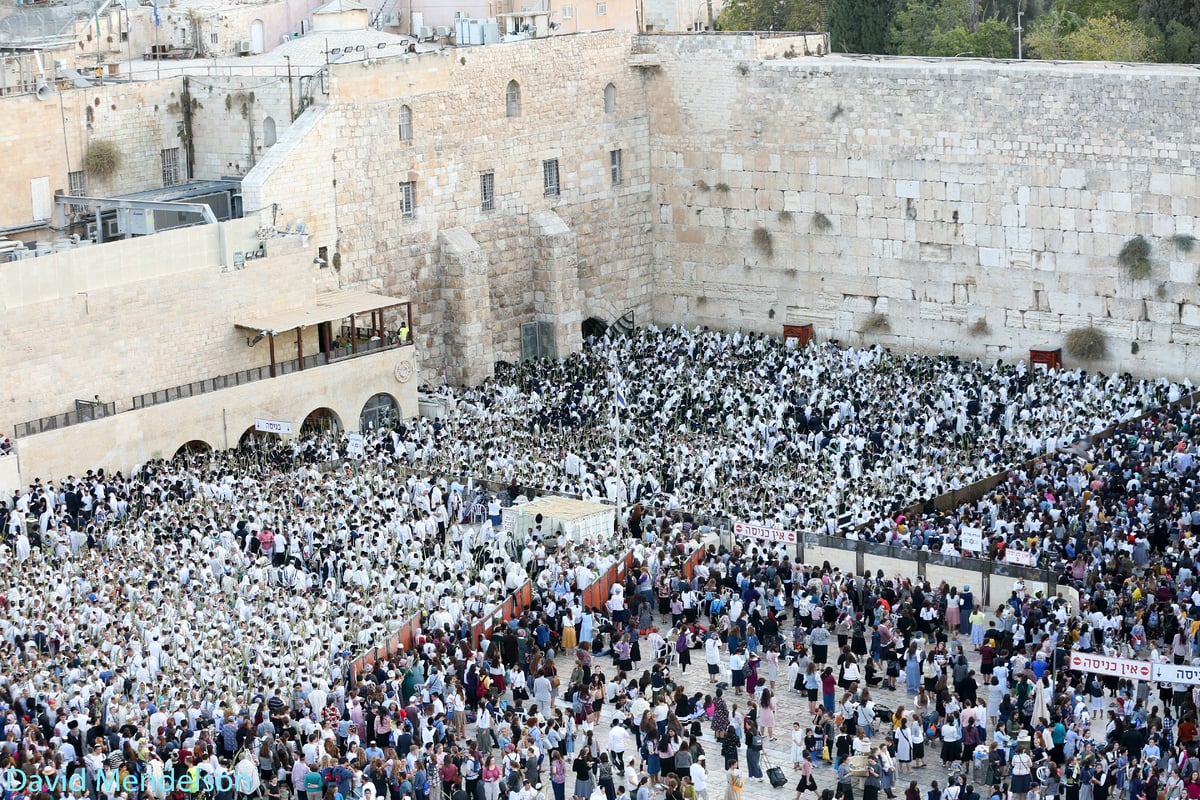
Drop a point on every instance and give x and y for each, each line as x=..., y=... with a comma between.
x=157, y=19
x=618, y=391
x=97, y=26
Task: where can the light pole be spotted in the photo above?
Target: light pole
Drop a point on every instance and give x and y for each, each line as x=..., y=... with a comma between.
x=1020, y=30
x=966, y=53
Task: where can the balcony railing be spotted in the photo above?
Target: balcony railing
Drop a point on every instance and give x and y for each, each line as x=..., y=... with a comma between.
x=245, y=376
x=86, y=411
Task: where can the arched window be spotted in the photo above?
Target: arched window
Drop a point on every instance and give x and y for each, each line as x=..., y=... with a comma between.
x=610, y=99
x=268, y=131
x=405, y=124
x=512, y=99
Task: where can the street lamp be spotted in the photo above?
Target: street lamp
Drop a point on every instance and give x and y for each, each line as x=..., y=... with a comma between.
x=967, y=53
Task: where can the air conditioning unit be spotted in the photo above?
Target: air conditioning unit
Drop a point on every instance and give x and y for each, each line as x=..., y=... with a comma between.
x=424, y=34
x=442, y=31
x=392, y=20
x=244, y=47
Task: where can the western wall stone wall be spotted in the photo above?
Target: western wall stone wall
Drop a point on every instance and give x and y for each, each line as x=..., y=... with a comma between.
x=978, y=208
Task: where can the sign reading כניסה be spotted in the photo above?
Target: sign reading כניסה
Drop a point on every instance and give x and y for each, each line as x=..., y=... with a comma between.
x=273, y=426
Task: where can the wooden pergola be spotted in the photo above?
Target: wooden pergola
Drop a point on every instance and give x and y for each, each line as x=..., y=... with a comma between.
x=327, y=309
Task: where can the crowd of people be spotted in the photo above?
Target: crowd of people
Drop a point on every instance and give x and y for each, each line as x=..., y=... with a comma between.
x=198, y=617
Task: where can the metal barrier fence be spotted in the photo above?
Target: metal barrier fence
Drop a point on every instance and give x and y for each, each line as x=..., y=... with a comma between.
x=85, y=411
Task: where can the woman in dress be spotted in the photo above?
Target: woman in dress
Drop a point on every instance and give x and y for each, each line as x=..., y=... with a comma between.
x=568, y=631
x=766, y=714
x=904, y=748
x=912, y=668
x=798, y=750
x=953, y=609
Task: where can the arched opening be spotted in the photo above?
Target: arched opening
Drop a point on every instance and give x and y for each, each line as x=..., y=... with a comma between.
x=321, y=420
x=512, y=99
x=381, y=411
x=594, y=327
x=251, y=437
x=192, y=449
x=406, y=130
x=610, y=99
x=269, y=134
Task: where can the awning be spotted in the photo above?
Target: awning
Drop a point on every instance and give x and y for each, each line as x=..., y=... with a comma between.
x=324, y=308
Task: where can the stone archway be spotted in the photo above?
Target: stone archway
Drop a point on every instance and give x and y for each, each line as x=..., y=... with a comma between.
x=380, y=411
x=322, y=420
x=196, y=448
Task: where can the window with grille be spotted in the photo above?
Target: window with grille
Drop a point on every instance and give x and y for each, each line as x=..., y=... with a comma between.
x=172, y=167
x=550, y=177
x=487, y=190
x=601, y=9
x=408, y=200
x=406, y=130
x=568, y=12
x=77, y=187
x=614, y=163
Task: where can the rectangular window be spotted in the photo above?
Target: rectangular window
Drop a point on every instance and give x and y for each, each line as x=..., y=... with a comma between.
x=77, y=187
x=614, y=163
x=213, y=38
x=172, y=169
x=487, y=191
x=550, y=177
x=568, y=12
x=601, y=9
x=408, y=200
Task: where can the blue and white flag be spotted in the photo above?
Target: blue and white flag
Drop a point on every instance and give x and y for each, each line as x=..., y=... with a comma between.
x=157, y=19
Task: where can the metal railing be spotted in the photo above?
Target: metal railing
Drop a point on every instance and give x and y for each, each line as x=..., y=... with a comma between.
x=242, y=377
x=85, y=411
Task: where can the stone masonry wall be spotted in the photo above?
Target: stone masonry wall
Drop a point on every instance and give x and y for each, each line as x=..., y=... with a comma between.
x=460, y=130
x=945, y=197
x=49, y=138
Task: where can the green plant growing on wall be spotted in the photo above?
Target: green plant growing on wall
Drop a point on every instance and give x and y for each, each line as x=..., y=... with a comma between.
x=875, y=322
x=762, y=240
x=702, y=185
x=837, y=112
x=1135, y=257
x=821, y=222
x=102, y=160
x=1134, y=347
x=1184, y=241
x=1087, y=343
x=722, y=187
x=337, y=261
x=979, y=327
x=1161, y=291
x=785, y=216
